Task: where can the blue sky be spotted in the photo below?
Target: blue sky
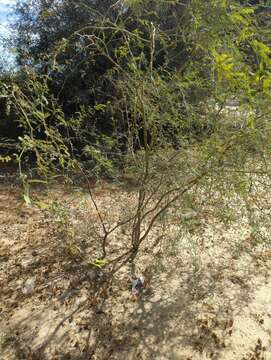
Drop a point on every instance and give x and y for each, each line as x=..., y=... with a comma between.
x=5, y=15
x=5, y=12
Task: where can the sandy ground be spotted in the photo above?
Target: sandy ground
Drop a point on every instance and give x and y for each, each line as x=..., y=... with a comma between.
x=208, y=296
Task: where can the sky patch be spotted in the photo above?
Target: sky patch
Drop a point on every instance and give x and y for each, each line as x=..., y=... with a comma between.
x=6, y=12
x=6, y=7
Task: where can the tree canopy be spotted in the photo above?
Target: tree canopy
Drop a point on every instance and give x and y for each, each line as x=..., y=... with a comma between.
x=82, y=64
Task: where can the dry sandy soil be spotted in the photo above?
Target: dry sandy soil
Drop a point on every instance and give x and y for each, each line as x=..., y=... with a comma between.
x=208, y=296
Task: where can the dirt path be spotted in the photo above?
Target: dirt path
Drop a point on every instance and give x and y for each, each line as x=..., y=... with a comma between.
x=212, y=304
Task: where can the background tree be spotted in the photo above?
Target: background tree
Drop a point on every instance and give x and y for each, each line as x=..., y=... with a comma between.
x=91, y=56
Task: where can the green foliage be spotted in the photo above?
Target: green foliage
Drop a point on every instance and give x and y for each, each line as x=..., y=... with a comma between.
x=44, y=126
x=5, y=159
x=144, y=89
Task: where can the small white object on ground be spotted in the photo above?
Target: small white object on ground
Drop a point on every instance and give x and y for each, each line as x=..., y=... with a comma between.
x=28, y=287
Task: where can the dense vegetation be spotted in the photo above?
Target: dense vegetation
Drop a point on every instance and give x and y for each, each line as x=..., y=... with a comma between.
x=141, y=89
x=83, y=54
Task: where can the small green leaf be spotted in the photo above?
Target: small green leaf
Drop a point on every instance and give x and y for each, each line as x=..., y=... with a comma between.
x=98, y=263
x=99, y=107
